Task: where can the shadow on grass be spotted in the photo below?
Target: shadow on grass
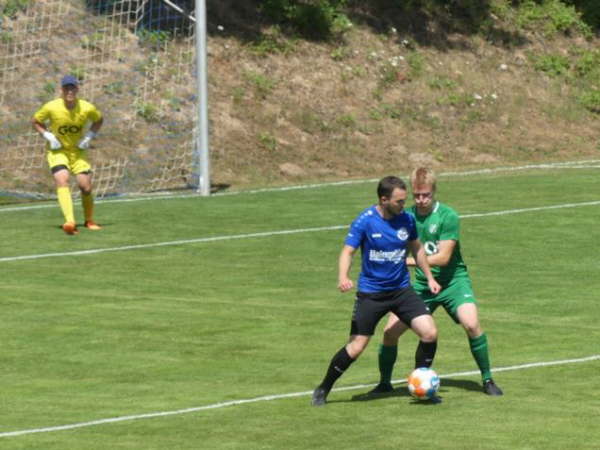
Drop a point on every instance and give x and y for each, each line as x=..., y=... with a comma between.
x=467, y=385
x=402, y=391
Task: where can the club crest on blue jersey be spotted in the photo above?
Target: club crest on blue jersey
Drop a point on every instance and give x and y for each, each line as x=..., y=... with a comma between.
x=402, y=234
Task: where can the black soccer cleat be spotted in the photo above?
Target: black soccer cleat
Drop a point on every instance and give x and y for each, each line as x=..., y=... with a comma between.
x=490, y=388
x=319, y=397
x=435, y=400
x=382, y=388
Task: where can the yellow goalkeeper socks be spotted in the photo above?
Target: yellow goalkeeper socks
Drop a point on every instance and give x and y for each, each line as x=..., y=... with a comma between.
x=66, y=203
x=87, y=200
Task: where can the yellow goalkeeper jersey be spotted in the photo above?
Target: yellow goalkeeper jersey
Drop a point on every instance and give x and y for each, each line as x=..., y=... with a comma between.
x=67, y=124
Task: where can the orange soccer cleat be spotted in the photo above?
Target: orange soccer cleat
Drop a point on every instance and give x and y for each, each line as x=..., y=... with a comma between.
x=70, y=228
x=91, y=225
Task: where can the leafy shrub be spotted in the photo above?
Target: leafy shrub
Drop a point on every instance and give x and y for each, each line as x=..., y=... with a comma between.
x=347, y=121
x=148, y=111
x=456, y=99
x=441, y=83
x=389, y=75
x=268, y=141
x=588, y=65
x=155, y=40
x=555, y=16
x=317, y=19
x=114, y=88
x=589, y=10
x=591, y=100
x=416, y=62
x=48, y=92
x=78, y=72
x=554, y=65
x=92, y=41
x=311, y=122
x=12, y=7
x=263, y=85
x=272, y=43
x=6, y=37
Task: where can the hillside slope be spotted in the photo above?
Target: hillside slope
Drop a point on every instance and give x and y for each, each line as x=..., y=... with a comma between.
x=381, y=99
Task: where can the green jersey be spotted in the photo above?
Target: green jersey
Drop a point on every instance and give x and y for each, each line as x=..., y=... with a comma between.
x=442, y=224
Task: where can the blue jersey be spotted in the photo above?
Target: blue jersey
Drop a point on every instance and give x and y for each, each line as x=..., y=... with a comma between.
x=383, y=244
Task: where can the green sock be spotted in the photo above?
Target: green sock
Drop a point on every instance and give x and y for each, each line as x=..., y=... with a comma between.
x=479, y=350
x=387, y=358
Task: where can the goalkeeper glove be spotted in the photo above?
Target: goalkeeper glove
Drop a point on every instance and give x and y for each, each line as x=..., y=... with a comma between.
x=54, y=142
x=84, y=144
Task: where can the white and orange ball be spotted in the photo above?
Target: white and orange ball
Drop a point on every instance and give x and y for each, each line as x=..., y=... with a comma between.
x=423, y=383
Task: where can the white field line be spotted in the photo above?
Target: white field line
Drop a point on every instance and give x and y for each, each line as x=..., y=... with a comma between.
x=170, y=243
x=266, y=398
x=264, y=234
x=587, y=164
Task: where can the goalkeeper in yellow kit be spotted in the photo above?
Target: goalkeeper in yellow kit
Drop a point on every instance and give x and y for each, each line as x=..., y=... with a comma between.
x=62, y=122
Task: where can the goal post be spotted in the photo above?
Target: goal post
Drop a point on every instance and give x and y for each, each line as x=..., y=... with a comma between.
x=202, y=145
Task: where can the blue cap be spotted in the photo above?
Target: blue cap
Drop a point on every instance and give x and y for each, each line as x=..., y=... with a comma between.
x=69, y=79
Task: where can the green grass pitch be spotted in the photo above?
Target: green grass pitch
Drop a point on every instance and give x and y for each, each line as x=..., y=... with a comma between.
x=198, y=303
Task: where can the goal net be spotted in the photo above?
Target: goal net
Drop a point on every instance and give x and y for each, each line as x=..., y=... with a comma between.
x=136, y=62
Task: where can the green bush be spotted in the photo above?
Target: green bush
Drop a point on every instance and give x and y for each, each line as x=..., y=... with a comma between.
x=268, y=141
x=10, y=8
x=272, y=43
x=389, y=75
x=317, y=19
x=442, y=83
x=554, y=15
x=346, y=121
x=148, y=111
x=6, y=37
x=416, y=62
x=48, y=92
x=263, y=85
x=554, y=65
x=591, y=101
x=154, y=40
x=589, y=10
x=588, y=65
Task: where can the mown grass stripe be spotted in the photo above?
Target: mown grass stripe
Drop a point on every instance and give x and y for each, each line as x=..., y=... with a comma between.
x=586, y=164
x=264, y=234
x=265, y=398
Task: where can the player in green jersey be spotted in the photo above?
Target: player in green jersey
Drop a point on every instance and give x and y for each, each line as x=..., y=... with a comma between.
x=62, y=123
x=438, y=227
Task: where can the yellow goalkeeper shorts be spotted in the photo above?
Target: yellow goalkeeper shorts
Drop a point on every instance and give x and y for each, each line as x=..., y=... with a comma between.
x=74, y=160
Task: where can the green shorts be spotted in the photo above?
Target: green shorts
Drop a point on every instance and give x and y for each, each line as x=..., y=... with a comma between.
x=458, y=292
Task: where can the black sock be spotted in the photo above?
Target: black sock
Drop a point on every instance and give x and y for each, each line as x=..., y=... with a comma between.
x=338, y=365
x=425, y=354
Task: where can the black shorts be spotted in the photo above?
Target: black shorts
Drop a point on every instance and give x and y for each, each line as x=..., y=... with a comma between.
x=369, y=308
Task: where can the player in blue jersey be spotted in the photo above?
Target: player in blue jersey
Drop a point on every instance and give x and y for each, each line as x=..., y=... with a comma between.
x=384, y=233
x=438, y=226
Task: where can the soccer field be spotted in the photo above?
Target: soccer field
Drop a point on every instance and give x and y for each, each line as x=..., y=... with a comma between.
x=205, y=323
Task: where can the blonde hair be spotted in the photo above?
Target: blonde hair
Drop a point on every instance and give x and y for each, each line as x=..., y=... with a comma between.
x=423, y=176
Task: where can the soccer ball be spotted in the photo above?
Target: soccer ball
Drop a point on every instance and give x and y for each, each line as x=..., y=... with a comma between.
x=423, y=383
